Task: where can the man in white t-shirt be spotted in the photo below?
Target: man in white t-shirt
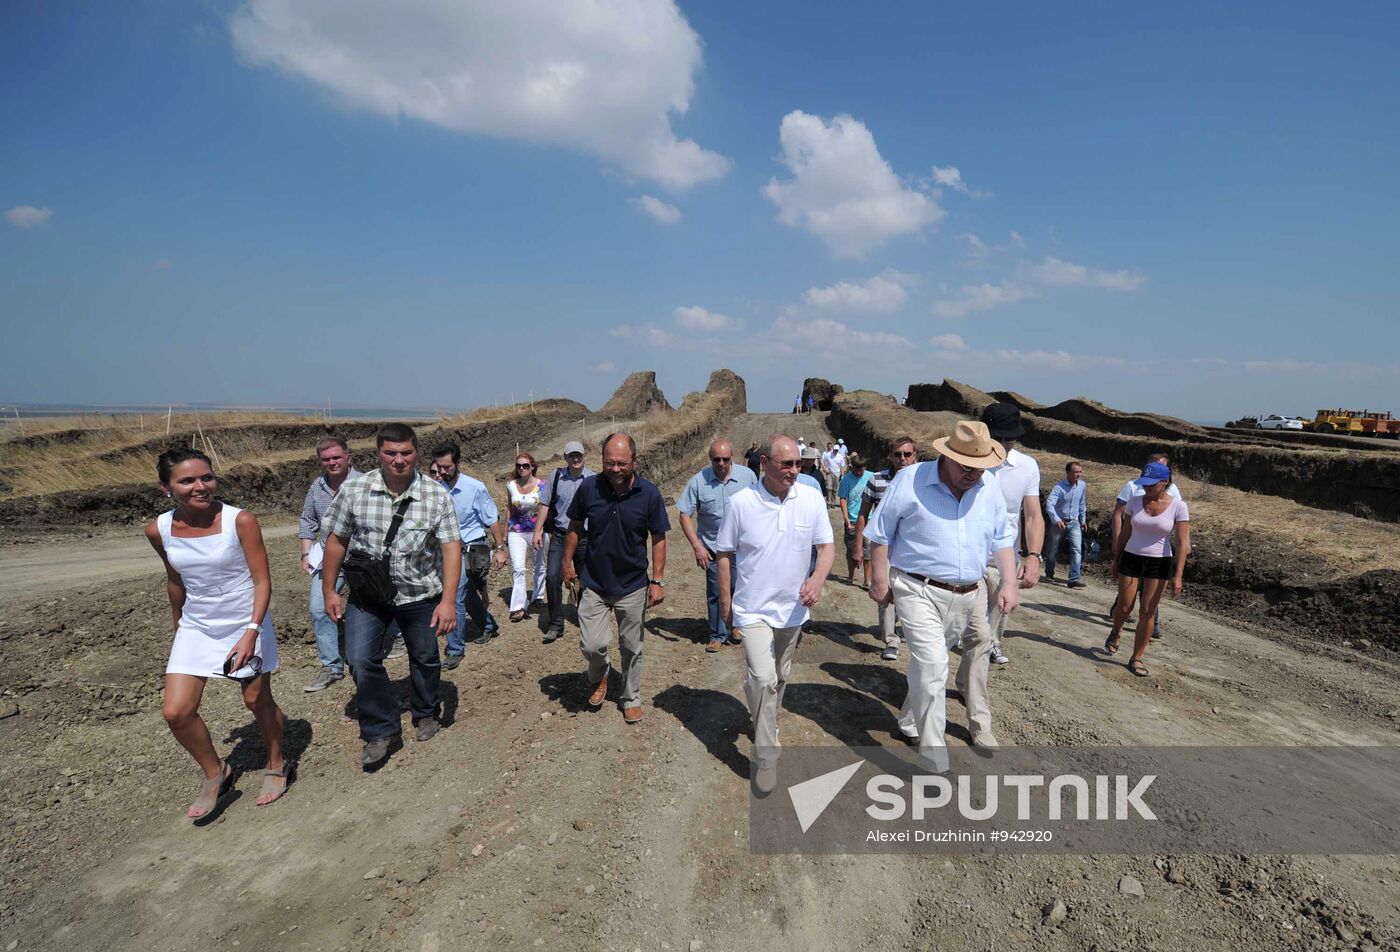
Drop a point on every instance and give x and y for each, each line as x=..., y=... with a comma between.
x=1129, y=490
x=1019, y=478
x=831, y=471
x=769, y=530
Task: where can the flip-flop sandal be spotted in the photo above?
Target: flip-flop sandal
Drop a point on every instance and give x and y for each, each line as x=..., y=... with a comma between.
x=1111, y=645
x=517, y=616
x=210, y=791
x=1138, y=668
x=270, y=787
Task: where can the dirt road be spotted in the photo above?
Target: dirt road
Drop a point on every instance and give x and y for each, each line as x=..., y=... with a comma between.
x=532, y=822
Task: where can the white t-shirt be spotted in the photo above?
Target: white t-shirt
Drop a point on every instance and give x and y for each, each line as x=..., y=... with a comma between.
x=831, y=462
x=772, y=541
x=1019, y=478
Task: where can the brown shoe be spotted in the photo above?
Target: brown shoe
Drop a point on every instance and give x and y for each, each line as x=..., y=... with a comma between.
x=714, y=646
x=631, y=714
x=598, y=693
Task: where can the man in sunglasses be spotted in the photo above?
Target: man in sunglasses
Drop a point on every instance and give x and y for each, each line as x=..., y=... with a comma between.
x=702, y=507
x=939, y=524
x=902, y=454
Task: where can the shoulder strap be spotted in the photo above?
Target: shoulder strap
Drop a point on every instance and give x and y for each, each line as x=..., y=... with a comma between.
x=394, y=525
x=554, y=489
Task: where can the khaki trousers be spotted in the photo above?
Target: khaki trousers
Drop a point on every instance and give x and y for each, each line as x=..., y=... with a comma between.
x=768, y=653
x=596, y=634
x=934, y=619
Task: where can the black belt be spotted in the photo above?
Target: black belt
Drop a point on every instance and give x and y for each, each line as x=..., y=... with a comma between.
x=947, y=587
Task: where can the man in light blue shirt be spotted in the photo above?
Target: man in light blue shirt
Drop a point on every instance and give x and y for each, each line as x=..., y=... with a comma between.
x=1068, y=518
x=702, y=507
x=476, y=517
x=936, y=528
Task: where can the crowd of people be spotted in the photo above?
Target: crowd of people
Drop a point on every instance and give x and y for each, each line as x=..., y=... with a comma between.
x=943, y=547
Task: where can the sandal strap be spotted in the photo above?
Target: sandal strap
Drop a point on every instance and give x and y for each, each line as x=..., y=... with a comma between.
x=285, y=771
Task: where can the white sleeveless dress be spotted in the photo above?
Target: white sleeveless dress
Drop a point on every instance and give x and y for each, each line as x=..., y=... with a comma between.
x=218, y=599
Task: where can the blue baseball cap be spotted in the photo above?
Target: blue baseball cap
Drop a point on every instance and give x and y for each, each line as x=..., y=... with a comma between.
x=1152, y=474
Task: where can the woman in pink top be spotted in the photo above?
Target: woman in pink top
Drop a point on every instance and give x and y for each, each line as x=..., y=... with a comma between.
x=1151, y=551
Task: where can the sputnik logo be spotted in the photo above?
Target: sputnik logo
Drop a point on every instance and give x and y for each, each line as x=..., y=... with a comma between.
x=810, y=798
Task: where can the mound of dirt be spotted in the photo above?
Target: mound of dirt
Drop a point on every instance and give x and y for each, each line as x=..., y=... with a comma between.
x=1020, y=400
x=822, y=391
x=949, y=396
x=1096, y=416
x=702, y=416
x=869, y=422
x=638, y=396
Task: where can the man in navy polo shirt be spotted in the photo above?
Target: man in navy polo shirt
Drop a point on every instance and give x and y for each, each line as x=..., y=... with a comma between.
x=617, y=512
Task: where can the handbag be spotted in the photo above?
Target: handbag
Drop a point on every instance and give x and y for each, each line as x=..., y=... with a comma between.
x=371, y=583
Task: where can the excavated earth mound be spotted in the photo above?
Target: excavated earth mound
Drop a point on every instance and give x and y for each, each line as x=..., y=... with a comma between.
x=702, y=415
x=950, y=396
x=638, y=396
x=822, y=391
x=1096, y=416
x=1021, y=400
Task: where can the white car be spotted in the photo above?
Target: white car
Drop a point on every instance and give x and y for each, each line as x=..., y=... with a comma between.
x=1275, y=422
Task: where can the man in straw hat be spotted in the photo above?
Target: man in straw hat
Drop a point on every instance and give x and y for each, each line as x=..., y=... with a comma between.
x=930, y=541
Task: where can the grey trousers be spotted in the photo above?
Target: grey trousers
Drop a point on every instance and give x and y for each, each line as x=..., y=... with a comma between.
x=596, y=635
x=887, y=620
x=768, y=652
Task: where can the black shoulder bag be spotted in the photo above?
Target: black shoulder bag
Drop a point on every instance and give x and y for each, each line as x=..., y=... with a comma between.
x=553, y=503
x=371, y=583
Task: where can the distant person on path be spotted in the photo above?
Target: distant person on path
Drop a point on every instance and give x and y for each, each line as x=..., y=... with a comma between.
x=809, y=457
x=220, y=589
x=552, y=519
x=751, y=458
x=1115, y=523
x=932, y=536
x=617, y=512
x=831, y=472
x=766, y=586
x=1019, y=479
x=333, y=455
x=849, y=496
x=702, y=507
x=524, y=493
x=1067, y=513
x=811, y=403
x=902, y=454
x=399, y=516
x=479, y=526
x=1145, y=555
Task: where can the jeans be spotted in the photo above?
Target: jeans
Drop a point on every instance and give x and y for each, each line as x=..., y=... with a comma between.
x=366, y=644
x=719, y=631
x=469, y=605
x=554, y=578
x=1053, y=535
x=328, y=648
x=525, y=585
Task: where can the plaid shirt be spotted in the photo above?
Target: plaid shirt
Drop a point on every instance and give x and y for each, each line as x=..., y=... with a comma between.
x=362, y=512
x=318, y=500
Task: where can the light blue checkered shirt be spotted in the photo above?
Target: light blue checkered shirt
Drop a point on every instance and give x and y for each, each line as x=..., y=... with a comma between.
x=932, y=533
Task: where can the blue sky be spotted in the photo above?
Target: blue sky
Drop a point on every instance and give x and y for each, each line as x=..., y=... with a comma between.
x=1188, y=209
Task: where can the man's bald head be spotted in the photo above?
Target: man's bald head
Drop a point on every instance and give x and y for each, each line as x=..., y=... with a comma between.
x=722, y=458
x=619, y=461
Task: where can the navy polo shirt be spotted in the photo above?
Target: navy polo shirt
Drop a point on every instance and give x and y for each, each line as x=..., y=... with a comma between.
x=615, y=564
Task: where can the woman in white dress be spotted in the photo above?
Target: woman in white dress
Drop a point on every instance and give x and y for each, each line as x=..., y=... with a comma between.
x=523, y=496
x=220, y=591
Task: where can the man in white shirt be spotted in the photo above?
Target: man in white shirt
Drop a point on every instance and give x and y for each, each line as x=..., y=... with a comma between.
x=931, y=537
x=1019, y=478
x=831, y=471
x=769, y=530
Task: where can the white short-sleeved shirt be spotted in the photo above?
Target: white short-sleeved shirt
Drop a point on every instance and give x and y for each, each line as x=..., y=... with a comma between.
x=1131, y=489
x=772, y=541
x=1019, y=477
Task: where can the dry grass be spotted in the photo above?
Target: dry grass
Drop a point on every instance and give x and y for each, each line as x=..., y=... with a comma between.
x=117, y=429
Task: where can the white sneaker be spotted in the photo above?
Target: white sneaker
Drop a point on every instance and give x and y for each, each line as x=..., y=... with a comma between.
x=997, y=656
x=890, y=654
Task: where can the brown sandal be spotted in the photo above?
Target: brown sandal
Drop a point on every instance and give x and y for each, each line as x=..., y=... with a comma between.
x=1136, y=666
x=270, y=787
x=210, y=791
x=1111, y=645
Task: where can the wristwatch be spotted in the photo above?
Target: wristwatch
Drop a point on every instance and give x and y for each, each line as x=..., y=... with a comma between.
x=658, y=581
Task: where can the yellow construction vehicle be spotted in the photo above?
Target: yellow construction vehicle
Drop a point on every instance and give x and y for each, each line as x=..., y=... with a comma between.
x=1355, y=422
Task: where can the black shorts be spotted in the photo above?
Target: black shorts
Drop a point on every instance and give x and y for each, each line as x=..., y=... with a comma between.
x=1145, y=566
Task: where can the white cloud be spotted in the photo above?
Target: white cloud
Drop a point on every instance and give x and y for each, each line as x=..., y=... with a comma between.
x=975, y=298
x=604, y=77
x=949, y=177
x=27, y=216
x=842, y=190
x=1064, y=274
x=883, y=294
x=706, y=322
x=1058, y=359
x=976, y=247
x=648, y=334
x=948, y=342
x=661, y=211
x=1016, y=239
x=826, y=335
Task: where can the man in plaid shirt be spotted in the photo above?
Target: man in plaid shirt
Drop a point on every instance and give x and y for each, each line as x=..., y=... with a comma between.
x=426, y=550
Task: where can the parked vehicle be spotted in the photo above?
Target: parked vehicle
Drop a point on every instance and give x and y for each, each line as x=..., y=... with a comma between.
x=1276, y=421
x=1355, y=422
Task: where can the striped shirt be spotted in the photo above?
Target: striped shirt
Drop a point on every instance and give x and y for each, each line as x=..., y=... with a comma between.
x=318, y=499
x=361, y=514
x=874, y=492
x=932, y=533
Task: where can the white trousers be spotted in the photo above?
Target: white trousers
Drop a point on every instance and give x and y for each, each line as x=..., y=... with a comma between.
x=935, y=618
x=520, y=552
x=768, y=652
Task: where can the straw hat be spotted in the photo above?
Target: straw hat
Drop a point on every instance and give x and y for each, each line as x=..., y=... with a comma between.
x=972, y=445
